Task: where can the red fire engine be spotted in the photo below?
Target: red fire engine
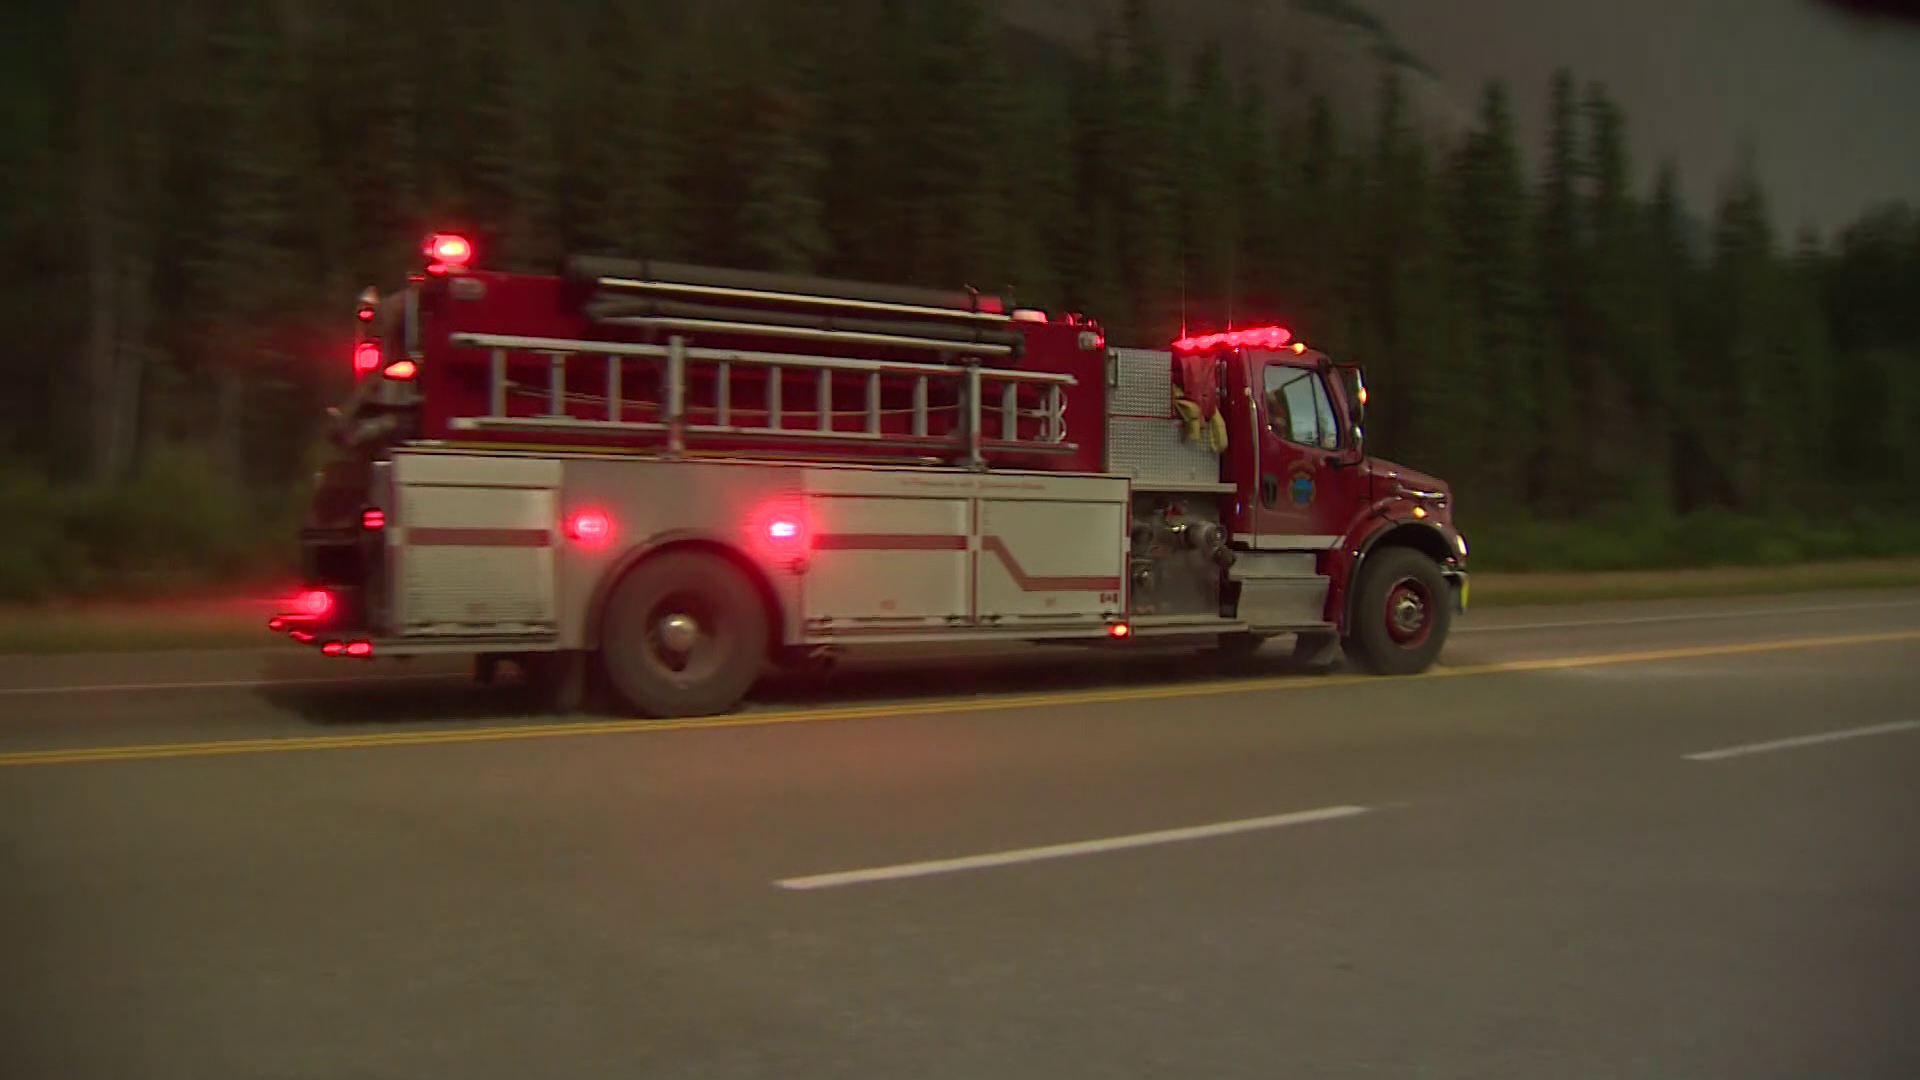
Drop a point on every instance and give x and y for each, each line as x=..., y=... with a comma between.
x=661, y=478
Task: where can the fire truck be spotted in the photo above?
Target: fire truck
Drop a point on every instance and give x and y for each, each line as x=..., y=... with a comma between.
x=659, y=481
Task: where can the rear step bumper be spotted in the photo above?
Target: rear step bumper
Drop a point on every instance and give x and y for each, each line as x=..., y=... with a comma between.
x=345, y=639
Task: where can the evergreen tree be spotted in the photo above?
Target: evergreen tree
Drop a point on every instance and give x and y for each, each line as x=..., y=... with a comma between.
x=1492, y=223
x=191, y=202
x=1558, y=482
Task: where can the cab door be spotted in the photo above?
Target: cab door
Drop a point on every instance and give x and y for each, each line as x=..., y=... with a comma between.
x=1306, y=488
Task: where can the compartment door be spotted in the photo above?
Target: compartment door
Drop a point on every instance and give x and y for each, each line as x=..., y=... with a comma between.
x=887, y=562
x=1056, y=555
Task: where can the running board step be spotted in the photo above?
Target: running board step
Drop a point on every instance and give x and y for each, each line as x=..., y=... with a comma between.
x=1280, y=599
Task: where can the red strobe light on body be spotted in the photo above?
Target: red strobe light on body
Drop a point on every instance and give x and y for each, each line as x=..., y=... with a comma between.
x=448, y=251
x=589, y=527
x=785, y=534
x=313, y=603
x=366, y=357
x=1259, y=337
x=783, y=531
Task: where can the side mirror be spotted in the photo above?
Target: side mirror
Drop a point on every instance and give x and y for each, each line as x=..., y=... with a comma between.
x=1356, y=394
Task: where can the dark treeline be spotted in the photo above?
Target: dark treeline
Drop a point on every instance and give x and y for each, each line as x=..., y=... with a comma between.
x=196, y=191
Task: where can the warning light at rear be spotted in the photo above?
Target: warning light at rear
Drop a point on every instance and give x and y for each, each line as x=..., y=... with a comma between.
x=1119, y=630
x=401, y=370
x=589, y=526
x=366, y=357
x=782, y=529
x=447, y=251
x=313, y=603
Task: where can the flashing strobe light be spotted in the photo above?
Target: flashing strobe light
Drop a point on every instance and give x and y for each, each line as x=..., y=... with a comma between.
x=373, y=519
x=401, y=370
x=589, y=526
x=1119, y=630
x=313, y=603
x=1259, y=337
x=450, y=248
x=782, y=530
x=366, y=357
x=447, y=251
x=1029, y=315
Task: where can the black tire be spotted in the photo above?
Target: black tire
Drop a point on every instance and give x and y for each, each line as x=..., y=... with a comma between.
x=729, y=652
x=1386, y=645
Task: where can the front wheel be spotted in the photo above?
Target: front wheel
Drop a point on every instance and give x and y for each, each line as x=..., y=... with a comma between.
x=1400, y=620
x=684, y=634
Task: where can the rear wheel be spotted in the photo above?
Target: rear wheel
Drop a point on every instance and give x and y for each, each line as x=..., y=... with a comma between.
x=683, y=634
x=1400, y=621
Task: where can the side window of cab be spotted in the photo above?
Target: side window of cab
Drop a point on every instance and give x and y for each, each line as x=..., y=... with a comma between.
x=1299, y=408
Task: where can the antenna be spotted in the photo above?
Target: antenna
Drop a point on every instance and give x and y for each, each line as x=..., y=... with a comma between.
x=1183, y=298
x=1229, y=283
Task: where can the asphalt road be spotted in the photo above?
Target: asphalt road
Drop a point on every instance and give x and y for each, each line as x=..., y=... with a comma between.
x=1668, y=840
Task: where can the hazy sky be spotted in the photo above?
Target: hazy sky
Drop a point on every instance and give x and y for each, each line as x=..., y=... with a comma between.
x=1832, y=104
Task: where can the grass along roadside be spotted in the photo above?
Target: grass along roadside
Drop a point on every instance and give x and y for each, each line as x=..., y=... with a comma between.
x=241, y=623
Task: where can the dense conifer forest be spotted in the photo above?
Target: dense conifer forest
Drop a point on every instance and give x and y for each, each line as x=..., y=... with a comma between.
x=196, y=192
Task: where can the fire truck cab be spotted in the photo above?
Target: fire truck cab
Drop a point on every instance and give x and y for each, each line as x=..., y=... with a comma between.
x=660, y=478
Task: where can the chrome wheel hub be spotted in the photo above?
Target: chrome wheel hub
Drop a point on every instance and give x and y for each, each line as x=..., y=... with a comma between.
x=677, y=633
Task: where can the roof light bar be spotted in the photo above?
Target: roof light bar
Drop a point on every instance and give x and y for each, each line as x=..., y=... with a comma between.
x=1259, y=337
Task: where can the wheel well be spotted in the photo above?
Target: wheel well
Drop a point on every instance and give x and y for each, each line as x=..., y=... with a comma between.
x=755, y=573
x=1424, y=539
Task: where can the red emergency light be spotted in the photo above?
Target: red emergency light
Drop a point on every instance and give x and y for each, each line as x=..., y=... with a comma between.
x=447, y=252
x=783, y=530
x=313, y=603
x=1258, y=337
x=366, y=357
x=589, y=526
x=401, y=370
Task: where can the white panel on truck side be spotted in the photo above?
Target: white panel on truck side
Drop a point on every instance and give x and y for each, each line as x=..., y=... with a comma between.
x=474, y=546
x=1057, y=553
x=887, y=561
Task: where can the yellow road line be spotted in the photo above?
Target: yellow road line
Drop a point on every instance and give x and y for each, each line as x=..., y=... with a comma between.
x=1216, y=688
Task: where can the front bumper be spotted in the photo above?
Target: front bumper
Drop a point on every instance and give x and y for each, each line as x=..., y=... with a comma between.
x=1457, y=585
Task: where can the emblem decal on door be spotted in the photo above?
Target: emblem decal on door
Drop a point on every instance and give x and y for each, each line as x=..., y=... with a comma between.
x=1300, y=487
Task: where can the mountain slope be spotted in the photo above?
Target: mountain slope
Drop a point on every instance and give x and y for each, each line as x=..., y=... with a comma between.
x=1292, y=48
